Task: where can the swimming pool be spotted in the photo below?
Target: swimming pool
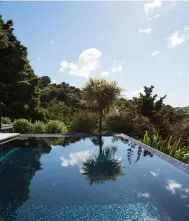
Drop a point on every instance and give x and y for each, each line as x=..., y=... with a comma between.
x=94, y=179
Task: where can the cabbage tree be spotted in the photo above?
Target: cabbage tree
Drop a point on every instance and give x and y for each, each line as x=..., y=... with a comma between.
x=100, y=94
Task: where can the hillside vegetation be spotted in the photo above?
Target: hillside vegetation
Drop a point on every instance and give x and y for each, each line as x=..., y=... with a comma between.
x=37, y=99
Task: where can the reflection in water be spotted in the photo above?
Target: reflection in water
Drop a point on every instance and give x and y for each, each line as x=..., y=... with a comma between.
x=75, y=158
x=16, y=173
x=104, y=167
x=57, y=193
x=131, y=149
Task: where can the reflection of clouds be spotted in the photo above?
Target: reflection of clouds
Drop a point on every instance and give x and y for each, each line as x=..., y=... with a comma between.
x=154, y=173
x=172, y=186
x=75, y=158
x=183, y=196
x=144, y=195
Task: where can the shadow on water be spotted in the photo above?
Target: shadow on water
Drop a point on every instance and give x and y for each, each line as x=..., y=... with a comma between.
x=16, y=173
x=103, y=167
x=18, y=165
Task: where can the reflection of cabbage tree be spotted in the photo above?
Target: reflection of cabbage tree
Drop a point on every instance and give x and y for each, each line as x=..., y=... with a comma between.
x=102, y=168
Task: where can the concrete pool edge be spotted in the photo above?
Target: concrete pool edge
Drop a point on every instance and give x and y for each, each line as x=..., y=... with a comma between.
x=169, y=159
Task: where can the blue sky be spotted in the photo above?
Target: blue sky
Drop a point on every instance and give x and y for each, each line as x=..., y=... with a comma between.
x=134, y=43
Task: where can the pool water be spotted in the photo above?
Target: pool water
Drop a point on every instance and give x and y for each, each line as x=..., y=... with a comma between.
x=90, y=179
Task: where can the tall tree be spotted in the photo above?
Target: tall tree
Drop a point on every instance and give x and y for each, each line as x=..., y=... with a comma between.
x=101, y=94
x=147, y=103
x=19, y=86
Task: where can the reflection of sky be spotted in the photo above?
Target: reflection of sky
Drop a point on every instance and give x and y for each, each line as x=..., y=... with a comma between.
x=162, y=195
x=174, y=186
x=154, y=173
x=76, y=158
x=144, y=195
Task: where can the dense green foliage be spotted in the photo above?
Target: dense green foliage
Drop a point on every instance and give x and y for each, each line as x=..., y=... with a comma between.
x=22, y=126
x=38, y=127
x=6, y=120
x=168, y=146
x=55, y=126
x=97, y=107
x=84, y=122
x=19, y=86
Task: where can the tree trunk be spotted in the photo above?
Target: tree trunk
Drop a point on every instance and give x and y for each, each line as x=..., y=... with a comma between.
x=100, y=122
x=100, y=144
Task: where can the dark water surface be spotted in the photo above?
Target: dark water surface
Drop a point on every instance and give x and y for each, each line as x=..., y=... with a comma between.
x=90, y=179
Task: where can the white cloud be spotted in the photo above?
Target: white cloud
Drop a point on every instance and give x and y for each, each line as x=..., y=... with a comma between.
x=137, y=92
x=153, y=17
x=145, y=30
x=88, y=62
x=175, y=39
x=117, y=66
x=154, y=173
x=38, y=58
x=149, y=7
x=113, y=42
x=52, y=42
x=104, y=74
x=144, y=195
x=172, y=186
x=178, y=37
x=76, y=158
x=154, y=53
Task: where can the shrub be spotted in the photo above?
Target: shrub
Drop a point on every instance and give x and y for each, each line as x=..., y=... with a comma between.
x=120, y=123
x=84, y=122
x=22, y=126
x=55, y=126
x=168, y=147
x=38, y=127
x=6, y=120
x=129, y=123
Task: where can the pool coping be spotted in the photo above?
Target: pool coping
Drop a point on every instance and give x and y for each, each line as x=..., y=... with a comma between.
x=7, y=137
x=169, y=159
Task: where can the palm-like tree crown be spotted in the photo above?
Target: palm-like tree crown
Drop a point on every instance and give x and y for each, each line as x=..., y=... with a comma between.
x=101, y=93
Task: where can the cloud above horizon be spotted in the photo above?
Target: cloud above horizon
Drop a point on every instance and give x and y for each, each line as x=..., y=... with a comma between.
x=151, y=6
x=88, y=62
x=145, y=30
x=178, y=37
